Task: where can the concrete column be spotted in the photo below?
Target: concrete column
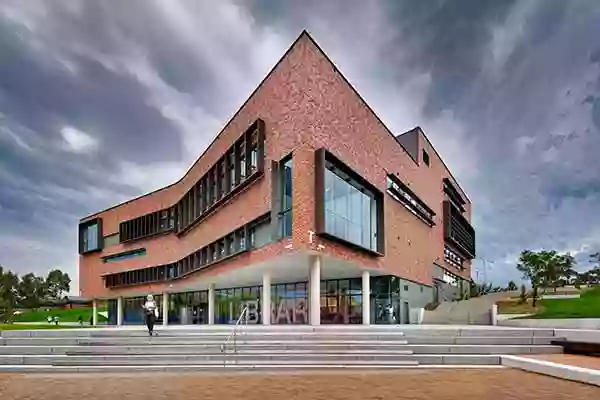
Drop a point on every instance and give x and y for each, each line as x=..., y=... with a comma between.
x=314, y=291
x=165, y=309
x=265, y=301
x=94, y=312
x=366, y=298
x=211, y=304
x=119, y=311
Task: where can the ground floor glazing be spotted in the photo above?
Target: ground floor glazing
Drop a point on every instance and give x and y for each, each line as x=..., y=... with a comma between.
x=391, y=300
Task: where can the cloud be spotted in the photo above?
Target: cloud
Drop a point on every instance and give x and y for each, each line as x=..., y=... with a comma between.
x=134, y=91
x=78, y=141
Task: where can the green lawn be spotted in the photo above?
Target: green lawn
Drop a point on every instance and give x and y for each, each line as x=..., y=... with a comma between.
x=586, y=306
x=34, y=327
x=64, y=315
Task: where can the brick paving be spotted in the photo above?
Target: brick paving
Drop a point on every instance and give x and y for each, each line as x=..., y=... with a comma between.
x=570, y=359
x=378, y=385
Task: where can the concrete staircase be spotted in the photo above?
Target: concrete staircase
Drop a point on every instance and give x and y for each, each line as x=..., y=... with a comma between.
x=274, y=347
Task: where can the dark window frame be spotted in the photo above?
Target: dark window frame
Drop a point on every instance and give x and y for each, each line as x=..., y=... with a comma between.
x=322, y=158
x=210, y=192
x=425, y=157
x=187, y=264
x=83, y=227
x=458, y=231
x=421, y=210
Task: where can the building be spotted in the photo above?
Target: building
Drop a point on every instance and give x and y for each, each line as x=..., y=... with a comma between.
x=304, y=192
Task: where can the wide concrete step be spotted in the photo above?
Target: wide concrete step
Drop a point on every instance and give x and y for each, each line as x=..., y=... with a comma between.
x=167, y=360
x=217, y=341
x=207, y=358
x=276, y=348
x=229, y=368
x=295, y=331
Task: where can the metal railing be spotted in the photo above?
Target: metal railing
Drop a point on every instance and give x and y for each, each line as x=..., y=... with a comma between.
x=233, y=335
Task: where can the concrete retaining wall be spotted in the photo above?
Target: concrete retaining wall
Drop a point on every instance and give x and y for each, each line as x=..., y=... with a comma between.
x=579, y=335
x=565, y=323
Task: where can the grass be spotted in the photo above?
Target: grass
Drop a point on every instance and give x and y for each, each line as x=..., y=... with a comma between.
x=586, y=306
x=26, y=327
x=64, y=315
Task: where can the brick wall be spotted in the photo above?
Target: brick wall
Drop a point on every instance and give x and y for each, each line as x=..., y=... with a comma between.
x=306, y=105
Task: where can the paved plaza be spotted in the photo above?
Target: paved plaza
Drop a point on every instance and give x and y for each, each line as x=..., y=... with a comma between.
x=430, y=384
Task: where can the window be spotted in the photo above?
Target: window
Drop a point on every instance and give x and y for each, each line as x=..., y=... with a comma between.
x=286, y=198
x=458, y=231
x=450, y=278
x=242, y=152
x=253, y=152
x=125, y=255
x=350, y=210
x=242, y=240
x=232, y=182
x=425, y=158
x=90, y=236
x=223, y=172
x=400, y=192
x=213, y=252
x=452, y=258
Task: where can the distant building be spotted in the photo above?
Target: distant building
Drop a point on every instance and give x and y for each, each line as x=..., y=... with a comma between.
x=301, y=205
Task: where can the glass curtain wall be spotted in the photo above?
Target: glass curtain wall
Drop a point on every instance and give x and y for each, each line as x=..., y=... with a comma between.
x=133, y=313
x=229, y=304
x=289, y=303
x=350, y=210
x=385, y=300
x=189, y=308
x=107, y=312
x=341, y=301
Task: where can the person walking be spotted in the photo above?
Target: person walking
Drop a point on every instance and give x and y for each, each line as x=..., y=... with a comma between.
x=151, y=313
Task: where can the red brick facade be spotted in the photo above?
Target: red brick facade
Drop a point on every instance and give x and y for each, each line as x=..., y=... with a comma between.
x=306, y=104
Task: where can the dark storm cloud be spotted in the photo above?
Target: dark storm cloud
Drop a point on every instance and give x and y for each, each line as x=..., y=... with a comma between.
x=508, y=91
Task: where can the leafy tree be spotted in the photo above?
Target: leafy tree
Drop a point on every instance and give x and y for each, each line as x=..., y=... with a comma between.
x=32, y=290
x=8, y=293
x=58, y=283
x=511, y=287
x=532, y=267
x=545, y=269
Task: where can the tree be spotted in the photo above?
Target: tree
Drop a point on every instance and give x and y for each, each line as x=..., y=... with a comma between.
x=511, y=287
x=8, y=293
x=32, y=290
x=532, y=266
x=58, y=283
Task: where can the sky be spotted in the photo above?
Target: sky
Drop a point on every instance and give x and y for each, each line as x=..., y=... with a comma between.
x=101, y=101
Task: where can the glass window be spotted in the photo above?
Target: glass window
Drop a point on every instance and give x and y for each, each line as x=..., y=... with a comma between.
x=350, y=211
x=222, y=248
x=242, y=240
x=286, y=199
x=242, y=153
x=90, y=238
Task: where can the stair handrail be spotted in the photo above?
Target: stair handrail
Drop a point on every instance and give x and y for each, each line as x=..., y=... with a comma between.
x=233, y=335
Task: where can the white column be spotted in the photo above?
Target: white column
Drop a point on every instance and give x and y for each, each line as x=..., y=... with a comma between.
x=94, y=312
x=314, y=291
x=165, y=309
x=265, y=302
x=211, y=304
x=119, y=311
x=366, y=298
